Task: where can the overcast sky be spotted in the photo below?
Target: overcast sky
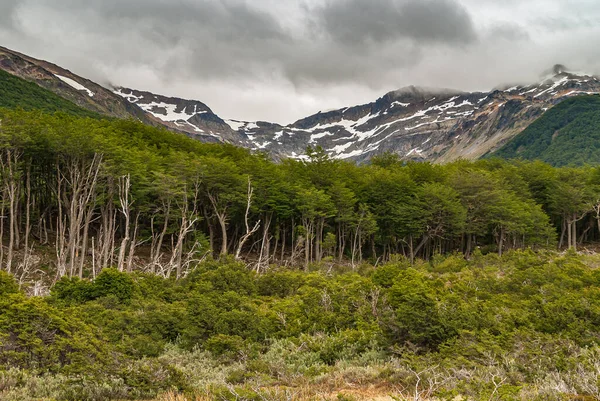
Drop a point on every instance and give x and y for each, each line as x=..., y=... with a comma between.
x=280, y=60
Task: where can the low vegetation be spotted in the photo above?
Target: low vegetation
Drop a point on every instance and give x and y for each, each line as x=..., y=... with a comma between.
x=523, y=326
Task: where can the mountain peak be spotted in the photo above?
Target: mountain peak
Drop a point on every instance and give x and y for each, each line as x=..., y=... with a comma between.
x=421, y=93
x=559, y=69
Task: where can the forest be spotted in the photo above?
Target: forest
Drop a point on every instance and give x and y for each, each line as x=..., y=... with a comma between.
x=99, y=193
x=141, y=264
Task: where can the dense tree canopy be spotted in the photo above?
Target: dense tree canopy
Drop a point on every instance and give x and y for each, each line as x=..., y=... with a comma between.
x=118, y=193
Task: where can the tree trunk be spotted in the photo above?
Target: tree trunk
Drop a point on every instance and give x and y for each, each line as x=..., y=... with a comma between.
x=124, y=186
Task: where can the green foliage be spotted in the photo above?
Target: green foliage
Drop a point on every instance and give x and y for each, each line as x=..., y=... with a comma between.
x=225, y=345
x=42, y=338
x=73, y=290
x=111, y=282
x=565, y=135
x=8, y=284
x=417, y=319
x=16, y=92
x=523, y=316
x=454, y=282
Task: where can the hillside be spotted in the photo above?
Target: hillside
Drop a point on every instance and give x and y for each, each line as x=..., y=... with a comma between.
x=78, y=90
x=16, y=92
x=568, y=134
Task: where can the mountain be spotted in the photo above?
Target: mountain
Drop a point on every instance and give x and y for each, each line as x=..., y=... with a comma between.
x=416, y=123
x=425, y=124
x=568, y=134
x=80, y=91
x=188, y=116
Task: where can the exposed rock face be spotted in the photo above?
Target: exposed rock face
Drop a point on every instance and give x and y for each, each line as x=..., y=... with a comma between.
x=189, y=116
x=416, y=123
x=424, y=124
x=194, y=118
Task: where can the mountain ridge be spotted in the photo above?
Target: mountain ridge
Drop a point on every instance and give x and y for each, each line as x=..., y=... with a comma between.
x=416, y=123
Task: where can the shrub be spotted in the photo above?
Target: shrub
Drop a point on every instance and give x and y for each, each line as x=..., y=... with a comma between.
x=8, y=284
x=115, y=283
x=224, y=345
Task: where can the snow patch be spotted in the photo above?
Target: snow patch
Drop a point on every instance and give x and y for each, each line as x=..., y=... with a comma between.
x=74, y=84
x=556, y=84
x=340, y=148
x=414, y=151
x=170, y=114
x=314, y=137
x=235, y=124
x=529, y=91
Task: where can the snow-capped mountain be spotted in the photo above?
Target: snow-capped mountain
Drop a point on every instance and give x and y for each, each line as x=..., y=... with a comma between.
x=415, y=123
x=424, y=124
x=79, y=90
x=189, y=116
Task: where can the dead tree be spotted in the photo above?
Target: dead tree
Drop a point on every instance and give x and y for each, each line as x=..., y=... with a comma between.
x=249, y=231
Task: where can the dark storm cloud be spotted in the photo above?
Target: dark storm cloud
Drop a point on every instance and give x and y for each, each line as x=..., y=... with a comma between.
x=181, y=20
x=437, y=21
x=283, y=59
x=236, y=38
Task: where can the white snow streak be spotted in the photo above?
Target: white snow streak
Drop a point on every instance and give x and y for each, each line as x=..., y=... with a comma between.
x=74, y=84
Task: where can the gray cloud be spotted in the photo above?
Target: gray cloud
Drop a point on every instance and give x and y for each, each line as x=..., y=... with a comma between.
x=7, y=9
x=283, y=59
x=437, y=21
x=508, y=31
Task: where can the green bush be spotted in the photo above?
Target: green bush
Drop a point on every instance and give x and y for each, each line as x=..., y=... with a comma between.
x=8, y=284
x=225, y=345
x=115, y=283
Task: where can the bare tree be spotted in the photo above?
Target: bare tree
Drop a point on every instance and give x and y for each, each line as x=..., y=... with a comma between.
x=125, y=209
x=249, y=231
x=189, y=217
x=9, y=161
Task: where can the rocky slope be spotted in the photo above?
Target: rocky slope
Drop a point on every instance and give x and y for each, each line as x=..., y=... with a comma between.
x=415, y=123
x=424, y=124
x=81, y=91
x=189, y=116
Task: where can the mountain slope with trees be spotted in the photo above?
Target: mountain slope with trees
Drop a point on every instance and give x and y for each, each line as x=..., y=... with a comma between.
x=16, y=92
x=568, y=134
